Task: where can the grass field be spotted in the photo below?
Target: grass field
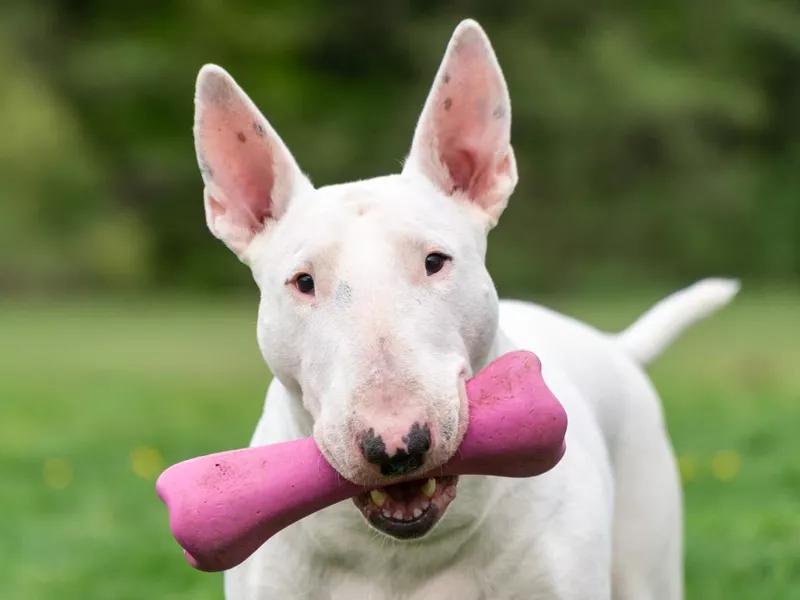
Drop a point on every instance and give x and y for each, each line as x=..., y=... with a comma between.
x=97, y=397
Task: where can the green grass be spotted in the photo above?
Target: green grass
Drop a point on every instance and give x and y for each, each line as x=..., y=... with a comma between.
x=96, y=397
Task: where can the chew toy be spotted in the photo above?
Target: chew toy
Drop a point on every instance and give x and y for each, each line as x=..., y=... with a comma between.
x=224, y=506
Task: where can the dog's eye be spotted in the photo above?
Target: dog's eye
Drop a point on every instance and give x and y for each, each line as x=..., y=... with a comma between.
x=304, y=283
x=434, y=262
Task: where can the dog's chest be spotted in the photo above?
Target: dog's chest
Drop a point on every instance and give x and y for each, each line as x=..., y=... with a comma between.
x=455, y=584
x=450, y=586
x=287, y=570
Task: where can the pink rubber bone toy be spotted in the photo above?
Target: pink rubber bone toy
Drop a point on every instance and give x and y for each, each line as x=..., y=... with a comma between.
x=223, y=507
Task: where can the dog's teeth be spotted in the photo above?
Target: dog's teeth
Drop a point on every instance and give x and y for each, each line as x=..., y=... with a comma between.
x=417, y=513
x=429, y=489
x=387, y=513
x=425, y=504
x=398, y=515
x=378, y=497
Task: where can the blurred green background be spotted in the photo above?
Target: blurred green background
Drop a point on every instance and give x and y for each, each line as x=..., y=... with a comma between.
x=657, y=142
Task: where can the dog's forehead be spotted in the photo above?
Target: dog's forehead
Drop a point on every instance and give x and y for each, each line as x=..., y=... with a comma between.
x=395, y=198
x=388, y=209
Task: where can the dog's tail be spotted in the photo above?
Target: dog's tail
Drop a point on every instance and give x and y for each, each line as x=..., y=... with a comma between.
x=651, y=333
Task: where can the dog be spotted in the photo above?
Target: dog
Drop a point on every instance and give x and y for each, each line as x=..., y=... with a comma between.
x=376, y=307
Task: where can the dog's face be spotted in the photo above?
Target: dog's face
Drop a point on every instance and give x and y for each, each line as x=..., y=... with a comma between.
x=375, y=301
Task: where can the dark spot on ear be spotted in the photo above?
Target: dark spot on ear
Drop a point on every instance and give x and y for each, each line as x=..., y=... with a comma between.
x=448, y=102
x=499, y=112
x=259, y=129
x=447, y=78
x=242, y=137
x=343, y=295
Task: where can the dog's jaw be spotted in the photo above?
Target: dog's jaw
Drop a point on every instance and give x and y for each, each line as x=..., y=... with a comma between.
x=408, y=511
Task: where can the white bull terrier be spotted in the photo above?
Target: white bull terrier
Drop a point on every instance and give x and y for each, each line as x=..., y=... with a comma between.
x=375, y=306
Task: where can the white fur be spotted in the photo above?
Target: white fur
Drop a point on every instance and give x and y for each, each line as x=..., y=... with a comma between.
x=382, y=345
x=656, y=329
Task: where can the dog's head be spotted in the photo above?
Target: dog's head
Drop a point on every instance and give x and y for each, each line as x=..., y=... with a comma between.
x=375, y=301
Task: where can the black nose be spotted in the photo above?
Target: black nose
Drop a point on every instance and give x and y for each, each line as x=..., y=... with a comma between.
x=405, y=460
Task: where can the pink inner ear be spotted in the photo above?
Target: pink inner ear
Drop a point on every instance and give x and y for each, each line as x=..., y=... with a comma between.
x=461, y=166
x=240, y=163
x=470, y=119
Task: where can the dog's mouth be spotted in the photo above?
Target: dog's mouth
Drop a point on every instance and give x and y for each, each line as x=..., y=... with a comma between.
x=407, y=510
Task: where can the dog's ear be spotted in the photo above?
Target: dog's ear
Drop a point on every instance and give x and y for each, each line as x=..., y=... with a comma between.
x=462, y=140
x=249, y=174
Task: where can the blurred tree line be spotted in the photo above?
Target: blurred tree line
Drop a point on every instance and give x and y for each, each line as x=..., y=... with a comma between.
x=655, y=139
